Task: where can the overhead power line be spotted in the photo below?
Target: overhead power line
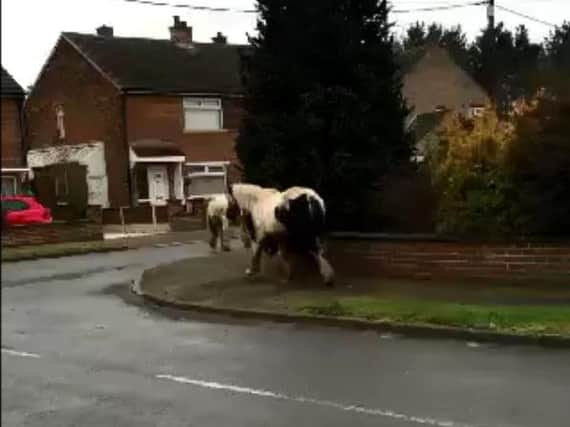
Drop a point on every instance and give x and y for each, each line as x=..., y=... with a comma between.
x=436, y=8
x=522, y=15
x=234, y=10
x=395, y=11
x=192, y=7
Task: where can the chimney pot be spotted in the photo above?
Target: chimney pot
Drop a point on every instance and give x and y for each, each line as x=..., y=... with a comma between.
x=105, y=31
x=181, y=33
x=220, y=38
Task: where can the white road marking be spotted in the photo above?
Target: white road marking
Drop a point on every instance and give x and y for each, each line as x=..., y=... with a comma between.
x=386, y=413
x=387, y=336
x=473, y=344
x=20, y=353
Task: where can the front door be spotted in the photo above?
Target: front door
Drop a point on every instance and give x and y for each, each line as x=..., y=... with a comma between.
x=158, y=188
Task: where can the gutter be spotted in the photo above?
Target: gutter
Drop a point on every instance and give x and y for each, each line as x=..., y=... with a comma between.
x=180, y=93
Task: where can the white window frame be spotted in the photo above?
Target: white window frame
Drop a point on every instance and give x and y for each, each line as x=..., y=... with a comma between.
x=476, y=111
x=14, y=183
x=194, y=103
x=207, y=172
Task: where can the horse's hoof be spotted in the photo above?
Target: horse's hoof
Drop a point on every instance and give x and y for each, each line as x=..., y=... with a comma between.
x=226, y=248
x=329, y=281
x=250, y=272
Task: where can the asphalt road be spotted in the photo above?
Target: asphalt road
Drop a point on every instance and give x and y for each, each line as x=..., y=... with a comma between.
x=76, y=351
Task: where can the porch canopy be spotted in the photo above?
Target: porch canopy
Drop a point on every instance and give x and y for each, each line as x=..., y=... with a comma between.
x=156, y=150
x=157, y=166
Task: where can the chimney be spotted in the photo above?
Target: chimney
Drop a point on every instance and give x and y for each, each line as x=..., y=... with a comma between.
x=105, y=31
x=220, y=38
x=181, y=33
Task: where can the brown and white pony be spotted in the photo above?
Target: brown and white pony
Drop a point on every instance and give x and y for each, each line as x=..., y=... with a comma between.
x=220, y=211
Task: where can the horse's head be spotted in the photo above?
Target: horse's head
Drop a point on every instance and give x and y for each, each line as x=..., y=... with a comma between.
x=302, y=213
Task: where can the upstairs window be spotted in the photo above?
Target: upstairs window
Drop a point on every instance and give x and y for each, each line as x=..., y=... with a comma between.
x=202, y=114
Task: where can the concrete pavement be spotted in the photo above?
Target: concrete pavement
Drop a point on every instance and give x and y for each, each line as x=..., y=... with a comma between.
x=76, y=350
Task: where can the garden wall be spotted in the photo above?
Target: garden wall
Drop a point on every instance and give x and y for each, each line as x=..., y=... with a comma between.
x=427, y=257
x=57, y=232
x=135, y=215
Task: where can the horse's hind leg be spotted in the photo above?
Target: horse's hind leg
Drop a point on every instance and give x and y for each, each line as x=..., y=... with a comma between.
x=287, y=264
x=213, y=226
x=325, y=269
x=245, y=238
x=224, y=238
x=255, y=264
x=247, y=229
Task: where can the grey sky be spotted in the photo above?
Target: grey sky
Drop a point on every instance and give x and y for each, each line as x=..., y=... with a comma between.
x=30, y=28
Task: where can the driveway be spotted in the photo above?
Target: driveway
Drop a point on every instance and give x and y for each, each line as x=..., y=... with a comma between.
x=78, y=350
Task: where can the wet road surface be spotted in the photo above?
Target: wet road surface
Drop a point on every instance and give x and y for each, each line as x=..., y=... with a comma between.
x=78, y=350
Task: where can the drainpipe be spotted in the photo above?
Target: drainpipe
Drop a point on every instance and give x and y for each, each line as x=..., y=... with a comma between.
x=23, y=135
x=123, y=96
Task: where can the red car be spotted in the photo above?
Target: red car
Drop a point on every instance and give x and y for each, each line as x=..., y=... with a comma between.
x=24, y=210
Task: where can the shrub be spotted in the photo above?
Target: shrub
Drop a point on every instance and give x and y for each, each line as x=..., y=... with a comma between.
x=476, y=195
x=539, y=165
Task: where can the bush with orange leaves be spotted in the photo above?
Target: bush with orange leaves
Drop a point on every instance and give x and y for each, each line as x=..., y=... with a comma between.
x=468, y=168
x=505, y=177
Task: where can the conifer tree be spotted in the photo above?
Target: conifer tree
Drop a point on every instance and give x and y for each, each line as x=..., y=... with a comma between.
x=323, y=101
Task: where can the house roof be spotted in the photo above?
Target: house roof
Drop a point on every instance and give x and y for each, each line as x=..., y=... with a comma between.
x=142, y=64
x=433, y=79
x=410, y=57
x=10, y=87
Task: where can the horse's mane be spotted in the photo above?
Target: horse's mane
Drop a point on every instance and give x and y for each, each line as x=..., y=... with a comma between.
x=247, y=195
x=294, y=192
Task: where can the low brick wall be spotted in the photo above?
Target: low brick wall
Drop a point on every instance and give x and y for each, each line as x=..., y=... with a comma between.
x=427, y=258
x=57, y=232
x=187, y=223
x=135, y=215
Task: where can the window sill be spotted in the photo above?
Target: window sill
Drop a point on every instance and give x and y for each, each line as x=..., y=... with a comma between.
x=196, y=131
x=206, y=174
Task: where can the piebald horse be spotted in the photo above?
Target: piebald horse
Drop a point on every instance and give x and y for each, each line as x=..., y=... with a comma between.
x=288, y=222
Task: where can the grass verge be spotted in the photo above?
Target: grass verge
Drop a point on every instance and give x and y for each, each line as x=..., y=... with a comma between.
x=531, y=320
x=59, y=249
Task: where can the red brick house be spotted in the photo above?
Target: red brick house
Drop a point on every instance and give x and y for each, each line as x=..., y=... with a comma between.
x=13, y=158
x=152, y=121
